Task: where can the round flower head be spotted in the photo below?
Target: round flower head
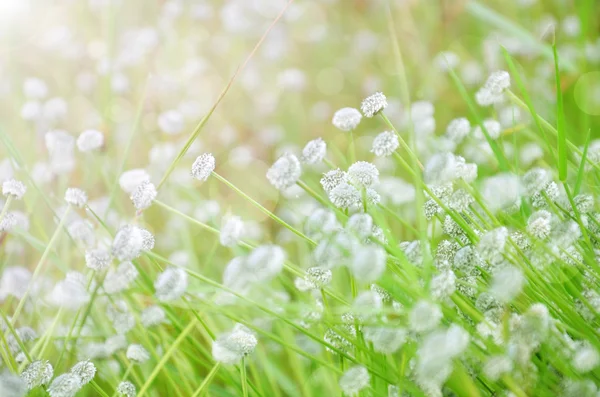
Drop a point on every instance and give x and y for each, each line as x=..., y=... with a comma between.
x=315, y=278
x=153, y=315
x=37, y=373
x=231, y=347
x=373, y=104
x=363, y=174
x=65, y=385
x=203, y=166
x=354, y=380
x=493, y=128
x=360, y=225
x=385, y=339
x=13, y=188
x=507, y=283
x=97, y=259
x=129, y=180
x=345, y=196
x=458, y=129
x=171, y=122
x=284, y=172
x=332, y=179
x=320, y=222
x=539, y=224
x=314, y=152
x=76, y=197
x=126, y=389
x=137, y=353
x=368, y=263
x=143, y=195
x=493, y=89
x=90, y=140
x=85, y=371
x=424, y=316
x=70, y=293
x=586, y=358
x=121, y=278
x=232, y=230
x=12, y=385
x=35, y=88
x=171, y=284
x=265, y=262
x=128, y=243
x=385, y=144
x=346, y=119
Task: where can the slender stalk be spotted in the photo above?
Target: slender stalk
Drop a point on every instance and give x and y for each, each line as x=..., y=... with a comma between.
x=5, y=207
x=243, y=378
x=207, y=380
x=40, y=264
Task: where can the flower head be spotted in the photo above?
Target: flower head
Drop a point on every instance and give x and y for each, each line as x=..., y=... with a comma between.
x=373, y=104
x=284, y=172
x=346, y=119
x=203, y=166
x=76, y=197
x=13, y=188
x=385, y=144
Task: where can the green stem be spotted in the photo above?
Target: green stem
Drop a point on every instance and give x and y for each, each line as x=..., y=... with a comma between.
x=243, y=378
x=207, y=380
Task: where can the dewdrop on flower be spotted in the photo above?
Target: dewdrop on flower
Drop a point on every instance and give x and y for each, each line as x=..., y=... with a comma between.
x=13, y=188
x=90, y=140
x=65, y=385
x=131, y=179
x=203, y=166
x=314, y=152
x=137, y=354
x=126, y=389
x=171, y=284
x=345, y=196
x=385, y=144
x=232, y=230
x=346, y=119
x=143, y=195
x=171, y=122
x=458, y=129
x=37, y=373
x=284, y=172
x=153, y=315
x=507, y=283
x=539, y=224
x=354, y=380
x=424, y=316
x=373, y=104
x=76, y=197
x=363, y=174
x=332, y=179
x=85, y=371
x=231, y=347
x=586, y=358
x=368, y=263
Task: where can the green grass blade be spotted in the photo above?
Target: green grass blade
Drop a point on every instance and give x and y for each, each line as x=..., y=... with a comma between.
x=581, y=170
x=561, y=125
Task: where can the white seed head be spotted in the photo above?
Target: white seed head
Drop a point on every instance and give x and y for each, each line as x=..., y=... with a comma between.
x=385, y=340
x=121, y=278
x=539, y=224
x=354, y=380
x=232, y=230
x=37, y=373
x=97, y=258
x=314, y=152
x=265, y=262
x=35, y=88
x=152, y=316
x=126, y=389
x=15, y=189
x=345, y=196
x=363, y=174
x=424, y=316
x=507, y=283
x=90, y=140
x=458, y=129
x=493, y=89
x=332, y=179
x=385, y=144
x=70, y=293
x=231, y=347
x=585, y=359
x=128, y=243
x=12, y=385
x=131, y=179
x=361, y=225
x=171, y=122
x=76, y=197
x=373, y=104
x=203, y=166
x=368, y=263
x=137, y=353
x=346, y=119
x=65, y=385
x=284, y=172
x=85, y=371
x=320, y=223
x=171, y=284
x=493, y=128
x=143, y=195
x=502, y=191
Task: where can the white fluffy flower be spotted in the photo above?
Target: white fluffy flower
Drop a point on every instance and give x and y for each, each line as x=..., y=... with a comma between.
x=203, y=166
x=363, y=174
x=354, y=380
x=171, y=284
x=284, y=172
x=232, y=229
x=373, y=104
x=507, y=283
x=231, y=347
x=171, y=122
x=137, y=353
x=13, y=188
x=314, y=152
x=76, y=197
x=143, y=195
x=90, y=140
x=385, y=144
x=131, y=179
x=346, y=119
x=424, y=316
